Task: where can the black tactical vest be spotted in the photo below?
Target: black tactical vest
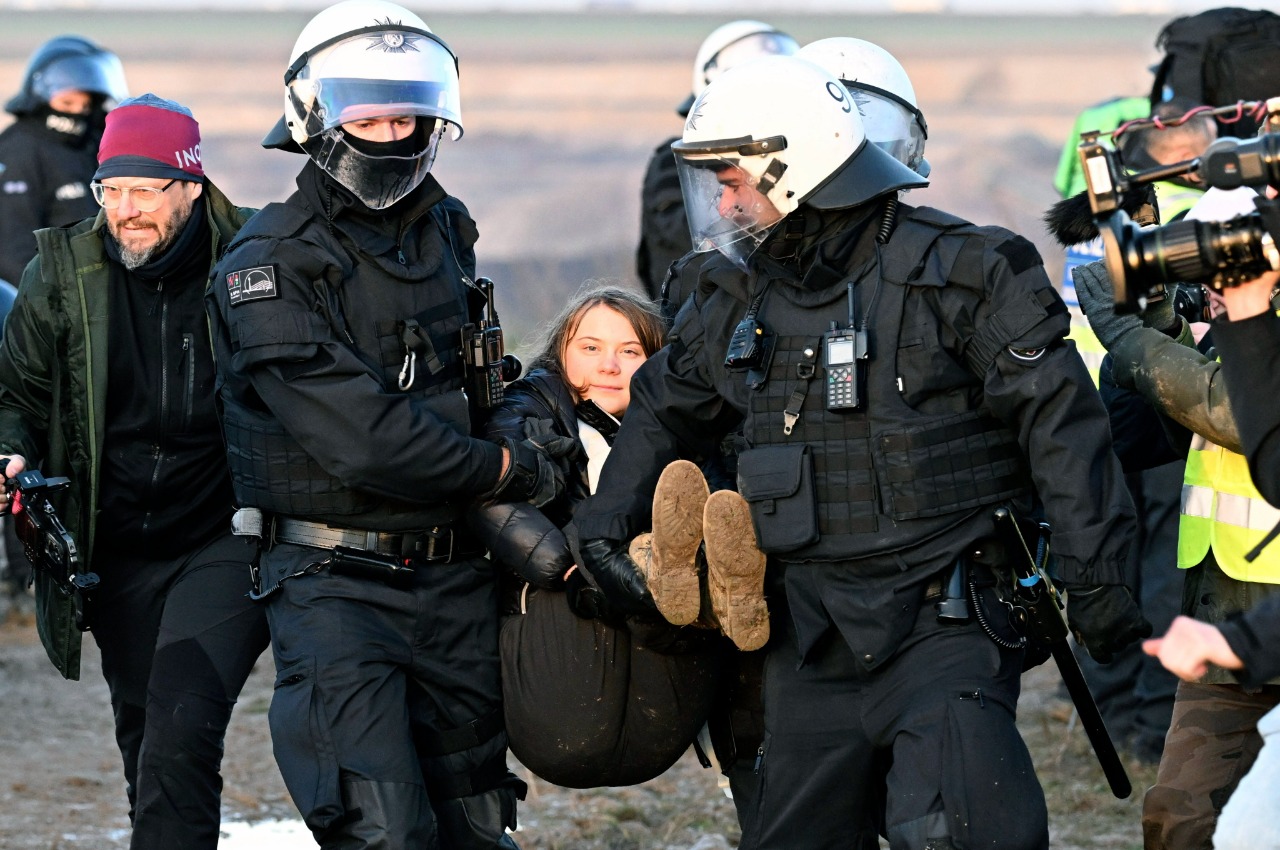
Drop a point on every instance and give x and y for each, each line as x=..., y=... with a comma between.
x=381, y=318
x=844, y=484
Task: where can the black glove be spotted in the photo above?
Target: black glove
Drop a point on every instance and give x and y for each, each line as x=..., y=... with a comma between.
x=619, y=577
x=587, y=601
x=533, y=475
x=1104, y=619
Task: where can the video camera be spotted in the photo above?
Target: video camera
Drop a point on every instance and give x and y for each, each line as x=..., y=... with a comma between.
x=1219, y=253
x=49, y=546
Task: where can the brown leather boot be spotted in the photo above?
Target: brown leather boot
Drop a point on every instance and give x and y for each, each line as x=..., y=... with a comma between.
x=671, y=568
x=735, y=571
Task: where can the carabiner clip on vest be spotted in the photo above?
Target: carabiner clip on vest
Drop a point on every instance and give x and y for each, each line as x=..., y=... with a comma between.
x=416, y=341
x=805, y=370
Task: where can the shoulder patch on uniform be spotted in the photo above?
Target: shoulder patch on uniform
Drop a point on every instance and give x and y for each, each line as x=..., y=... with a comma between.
x=1020, y=253
x=252, y=284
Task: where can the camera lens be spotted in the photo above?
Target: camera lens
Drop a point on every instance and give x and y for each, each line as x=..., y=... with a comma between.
x=1174, y=252
x=1222, y=253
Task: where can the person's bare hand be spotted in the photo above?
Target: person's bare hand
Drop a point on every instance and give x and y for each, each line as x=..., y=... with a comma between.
x=1187, y=649
x=1251, y=298
x=1198, y=330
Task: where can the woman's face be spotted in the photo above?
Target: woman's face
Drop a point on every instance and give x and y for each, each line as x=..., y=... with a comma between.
x=600, y=358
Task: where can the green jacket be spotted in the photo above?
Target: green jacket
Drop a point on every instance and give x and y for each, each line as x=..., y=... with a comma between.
x=53, y=387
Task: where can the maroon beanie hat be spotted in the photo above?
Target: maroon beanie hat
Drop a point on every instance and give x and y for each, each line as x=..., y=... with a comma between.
x=148, y=136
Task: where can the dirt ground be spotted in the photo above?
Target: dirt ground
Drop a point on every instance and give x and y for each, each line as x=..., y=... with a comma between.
x=561, y=114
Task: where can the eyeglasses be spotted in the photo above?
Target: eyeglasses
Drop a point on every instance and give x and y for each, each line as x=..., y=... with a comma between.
x=145, y=198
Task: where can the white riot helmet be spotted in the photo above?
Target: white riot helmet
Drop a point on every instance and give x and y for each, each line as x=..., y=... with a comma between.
x=883, y=93
x=732, y=44
x=362, y=59
x=765, y=138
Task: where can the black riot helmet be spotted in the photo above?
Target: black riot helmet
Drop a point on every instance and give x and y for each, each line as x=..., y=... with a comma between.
x=69, y=62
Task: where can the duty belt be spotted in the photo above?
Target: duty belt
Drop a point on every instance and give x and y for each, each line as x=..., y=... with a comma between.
x=442, y=544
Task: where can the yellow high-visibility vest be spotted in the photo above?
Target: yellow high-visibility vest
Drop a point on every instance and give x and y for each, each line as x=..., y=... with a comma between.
x=1091, y=351
x=1222, y=510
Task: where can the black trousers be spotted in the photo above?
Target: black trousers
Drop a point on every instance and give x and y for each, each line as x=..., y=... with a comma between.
x=178, y=637
x=387, y=715
x=924, y=748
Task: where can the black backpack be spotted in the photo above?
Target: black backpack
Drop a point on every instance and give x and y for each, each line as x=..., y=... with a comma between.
x=1219, y=57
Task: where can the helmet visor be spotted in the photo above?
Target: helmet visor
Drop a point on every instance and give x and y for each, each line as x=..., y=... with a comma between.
x=100, y=74
x=891, y=126
x=376, y=75
x=727, y=208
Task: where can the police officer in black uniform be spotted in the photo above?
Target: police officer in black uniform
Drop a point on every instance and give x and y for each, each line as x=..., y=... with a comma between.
x=664, y=231
x=898, y=373
x=48, y=155
x=337, y=319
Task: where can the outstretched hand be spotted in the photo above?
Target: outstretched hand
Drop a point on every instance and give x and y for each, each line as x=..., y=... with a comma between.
x=1189, y=647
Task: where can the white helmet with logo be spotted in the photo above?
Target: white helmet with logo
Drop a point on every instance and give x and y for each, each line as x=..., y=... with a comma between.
x=732, y=44
x=362, y=59
x=766, y=137
x=883, y=92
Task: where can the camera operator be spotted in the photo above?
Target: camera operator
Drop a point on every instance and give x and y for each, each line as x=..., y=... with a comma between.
x=1212, y=734
x=1249, y=343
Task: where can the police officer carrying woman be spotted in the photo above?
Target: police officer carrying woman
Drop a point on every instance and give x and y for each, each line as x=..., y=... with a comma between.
x=336, y=318
x=898, y=373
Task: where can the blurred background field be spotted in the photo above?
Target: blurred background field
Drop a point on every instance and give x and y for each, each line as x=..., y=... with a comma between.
x=563, y=111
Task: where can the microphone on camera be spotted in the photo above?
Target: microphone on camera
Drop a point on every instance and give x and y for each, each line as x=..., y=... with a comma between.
x=1070, y=221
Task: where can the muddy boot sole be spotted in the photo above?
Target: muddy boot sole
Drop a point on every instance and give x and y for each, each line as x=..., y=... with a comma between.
x=678, y=503
x=735, y=571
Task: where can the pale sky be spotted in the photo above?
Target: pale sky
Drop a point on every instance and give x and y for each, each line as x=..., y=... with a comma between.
x=737, y=7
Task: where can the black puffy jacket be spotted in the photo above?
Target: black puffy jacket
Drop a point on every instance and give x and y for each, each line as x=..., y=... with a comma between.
x=531, y=542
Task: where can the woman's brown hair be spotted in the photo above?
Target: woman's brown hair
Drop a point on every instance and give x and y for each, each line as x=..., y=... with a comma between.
x=640, y=311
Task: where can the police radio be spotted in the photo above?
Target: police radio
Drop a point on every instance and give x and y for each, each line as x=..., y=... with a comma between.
x=844, y=355
x=485, y=364
x=750, y=347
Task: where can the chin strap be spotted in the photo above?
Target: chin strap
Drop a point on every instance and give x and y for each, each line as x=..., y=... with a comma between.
x=785, y=243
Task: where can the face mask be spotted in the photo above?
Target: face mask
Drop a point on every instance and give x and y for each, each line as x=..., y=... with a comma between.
x=378, y=173
x=73, y=125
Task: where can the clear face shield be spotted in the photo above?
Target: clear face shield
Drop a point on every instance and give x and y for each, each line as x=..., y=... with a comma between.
x=377, y=75
x=726, y=198
x=891, y=125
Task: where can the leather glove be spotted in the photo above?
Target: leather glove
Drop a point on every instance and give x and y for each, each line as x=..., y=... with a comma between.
x=1097, y=300
x=619, y=577
x=533, y=475
x=1104, y=619
x=586, y=601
